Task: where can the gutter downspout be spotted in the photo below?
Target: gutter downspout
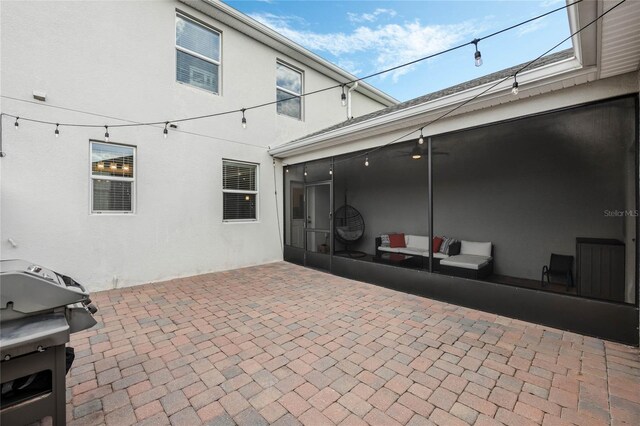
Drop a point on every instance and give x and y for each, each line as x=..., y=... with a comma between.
x=351, y=89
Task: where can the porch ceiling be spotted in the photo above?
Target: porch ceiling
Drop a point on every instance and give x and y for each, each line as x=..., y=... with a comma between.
x=620, y=38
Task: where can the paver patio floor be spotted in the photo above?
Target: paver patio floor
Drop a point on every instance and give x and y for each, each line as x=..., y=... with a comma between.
x=282, y=344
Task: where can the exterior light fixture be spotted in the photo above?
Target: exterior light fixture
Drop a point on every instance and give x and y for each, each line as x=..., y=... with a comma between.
x=421, y=138
x=247, y=198
x=106, y=133
x=331, y=171
x=416, y=153
x=366, y=161
x=166, y=131
x=477, y=56
x=16, y=125
x=514, y=88
x=343, y=97
x=244, y=119
x=305, y=170
x=57, y=132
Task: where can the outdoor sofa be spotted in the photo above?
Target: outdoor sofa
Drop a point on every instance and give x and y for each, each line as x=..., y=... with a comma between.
x=468, y=259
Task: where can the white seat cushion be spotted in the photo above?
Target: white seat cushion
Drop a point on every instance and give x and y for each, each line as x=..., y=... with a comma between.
x=475, y=248
x=412, y=251
x=467, y=261
x=389, y=249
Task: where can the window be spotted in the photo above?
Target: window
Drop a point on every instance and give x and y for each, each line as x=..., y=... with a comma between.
x=112, y=178
x=289, y=87
x=239, y=191
x=198, y=55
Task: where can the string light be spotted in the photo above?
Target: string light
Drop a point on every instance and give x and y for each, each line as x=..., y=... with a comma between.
x=331, y=171
x=166, y=131
x=477, y=56
x=305, y=170
x=106, y=133
x=366, y=161
x=16, y=123
x=57, y=132
x=514, y=88
x=343, y=97
x=421, y=138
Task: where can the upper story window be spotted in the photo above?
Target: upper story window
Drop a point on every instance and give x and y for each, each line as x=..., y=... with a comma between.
x=198, y=55
x=112, y=178
x=289, y=87
x=239, y=191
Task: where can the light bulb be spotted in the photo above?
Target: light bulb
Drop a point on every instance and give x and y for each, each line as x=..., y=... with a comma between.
x=101, y=165
x=366, y=162
x=125, y=167
x=106, y=133
x=514, y=88
x=244, y=120
x=16, y=125
x=330, y=171
x=478, y=58
x=421, y=138
x=287, y=170
x=247, y=198
x=57, y=132
x=113, y=166
x=166, y=131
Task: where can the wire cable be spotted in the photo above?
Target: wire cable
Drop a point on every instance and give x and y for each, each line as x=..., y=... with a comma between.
x=241, y=110
x=497, y=83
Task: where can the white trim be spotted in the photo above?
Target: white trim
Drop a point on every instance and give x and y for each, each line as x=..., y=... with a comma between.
x=255, y=192
x=133, y=180
x=529, y=80
x=217, y=62
x=291, y=92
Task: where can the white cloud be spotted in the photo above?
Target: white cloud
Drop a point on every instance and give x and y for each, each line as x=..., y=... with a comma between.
x=532, y=27
x=385, y=45
x=370, y=17
x=547, y=3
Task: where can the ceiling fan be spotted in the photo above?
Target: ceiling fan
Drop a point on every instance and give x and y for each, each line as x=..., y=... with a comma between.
x=417, y=152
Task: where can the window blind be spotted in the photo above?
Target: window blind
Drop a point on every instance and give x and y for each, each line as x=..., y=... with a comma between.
x=109, y=195
x=240, y=191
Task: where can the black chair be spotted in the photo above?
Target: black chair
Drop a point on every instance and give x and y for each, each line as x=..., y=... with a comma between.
x=561, y=266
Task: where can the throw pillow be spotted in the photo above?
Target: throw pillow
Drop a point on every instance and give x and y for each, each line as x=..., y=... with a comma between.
x=437, y=242
x=384, y=240
x=396, y=240
x=454, y=248
x=445, y=244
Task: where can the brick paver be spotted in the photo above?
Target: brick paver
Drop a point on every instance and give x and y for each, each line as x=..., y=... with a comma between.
x=282, y=344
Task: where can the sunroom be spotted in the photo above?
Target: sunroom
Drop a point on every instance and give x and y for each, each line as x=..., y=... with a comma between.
x=523, y=205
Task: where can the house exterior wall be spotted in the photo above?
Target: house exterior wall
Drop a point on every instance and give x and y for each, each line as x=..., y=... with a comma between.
x=100, y=62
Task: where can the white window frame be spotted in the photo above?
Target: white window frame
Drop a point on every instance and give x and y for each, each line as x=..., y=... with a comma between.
x=291, y=92
x=236, y=191
x=198, y=55
x=93, y=177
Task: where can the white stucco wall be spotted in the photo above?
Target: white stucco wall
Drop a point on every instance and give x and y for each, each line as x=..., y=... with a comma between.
x=117, y=59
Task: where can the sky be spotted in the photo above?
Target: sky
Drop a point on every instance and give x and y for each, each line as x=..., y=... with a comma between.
x=364, y=37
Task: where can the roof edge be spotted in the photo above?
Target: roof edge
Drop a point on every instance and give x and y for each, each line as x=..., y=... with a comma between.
x=273, y=39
